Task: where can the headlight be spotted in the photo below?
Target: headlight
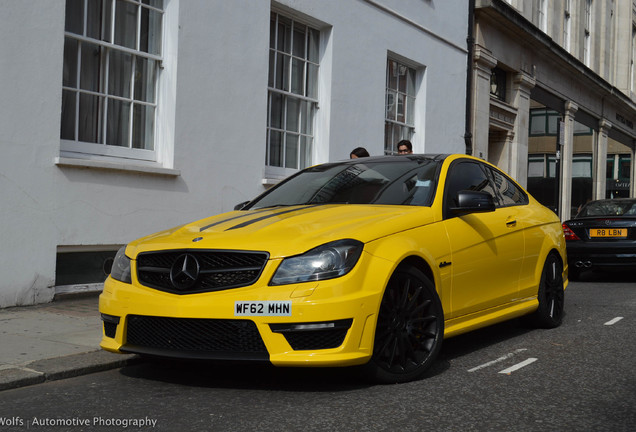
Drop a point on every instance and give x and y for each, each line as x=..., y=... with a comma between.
x=121, y=267
x=328, y=261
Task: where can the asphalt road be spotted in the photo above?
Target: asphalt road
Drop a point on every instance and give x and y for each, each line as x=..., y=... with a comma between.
x=510, y=377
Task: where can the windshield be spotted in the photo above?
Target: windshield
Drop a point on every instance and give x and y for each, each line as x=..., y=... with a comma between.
x=403, y=182
x=609, y=208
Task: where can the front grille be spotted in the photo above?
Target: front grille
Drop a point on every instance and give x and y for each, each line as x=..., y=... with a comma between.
x=192, y=335
x=207, y=270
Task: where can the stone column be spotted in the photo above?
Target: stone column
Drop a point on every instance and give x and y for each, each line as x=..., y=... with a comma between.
x=482, y=69
x=567, y=152
x=600, y=180
x=522, y=84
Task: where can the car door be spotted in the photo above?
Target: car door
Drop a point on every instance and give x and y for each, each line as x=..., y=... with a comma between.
x=487, y=249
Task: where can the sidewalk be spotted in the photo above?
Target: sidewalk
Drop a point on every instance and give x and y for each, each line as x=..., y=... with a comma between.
x=53, y=341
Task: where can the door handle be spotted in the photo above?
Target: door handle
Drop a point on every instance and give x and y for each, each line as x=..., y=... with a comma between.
x=511, y=223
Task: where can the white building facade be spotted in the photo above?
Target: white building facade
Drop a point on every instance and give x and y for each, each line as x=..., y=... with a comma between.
x=120, y=118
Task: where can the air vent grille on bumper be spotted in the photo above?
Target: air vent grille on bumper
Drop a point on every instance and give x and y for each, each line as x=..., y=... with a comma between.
x=195, y=271
x=189, y=337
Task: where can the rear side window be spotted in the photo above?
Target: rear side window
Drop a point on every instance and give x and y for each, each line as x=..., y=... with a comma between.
x=509, y=193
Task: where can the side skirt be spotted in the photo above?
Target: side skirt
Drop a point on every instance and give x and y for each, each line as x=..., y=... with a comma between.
x=464, y=324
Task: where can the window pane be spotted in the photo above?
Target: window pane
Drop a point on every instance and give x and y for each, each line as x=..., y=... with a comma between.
x=291, y=151
x=402, y=74
x=312, y=81
x=275, y=149
x=119, y=73
x=313, y=46
x=609, y=169
x=582, y=167
x=307, y=117
x=272, y=31
x=293, y=113
x=145, y=74
x=271, y=76
x=551, y=167
x=400, y=108
x=74, y=22
x=624, y=168
x=143, y=127
x=305, y=152
x=282, y=72
x=552, y=124
x=150, y=33
x=299, y=41
x=276, y=120
x=125, y=24
x=298, y=72
x=537, y=125
x=391, y=105
x=68, y=115
x=118, y=123
x=90, y=118
x=94, y=21
x=392, y=75
x=90, y=68
x=284, y=34
x=535, y=168
x=70, y=63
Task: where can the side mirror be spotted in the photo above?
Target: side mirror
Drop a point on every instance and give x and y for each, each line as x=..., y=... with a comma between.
x=473, y=202
x=240, y=206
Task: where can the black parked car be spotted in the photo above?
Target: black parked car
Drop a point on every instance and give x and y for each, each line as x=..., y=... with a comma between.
x=602, y=236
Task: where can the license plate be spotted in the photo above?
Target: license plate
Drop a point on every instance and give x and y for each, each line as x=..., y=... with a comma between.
x=608, y=232
x=262, y=308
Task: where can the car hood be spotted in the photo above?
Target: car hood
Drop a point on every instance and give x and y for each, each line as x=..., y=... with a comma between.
x=287, y=231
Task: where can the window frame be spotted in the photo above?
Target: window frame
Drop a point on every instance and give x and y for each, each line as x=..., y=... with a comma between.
x=133, y=101
x=394, y=129
x=306, y=100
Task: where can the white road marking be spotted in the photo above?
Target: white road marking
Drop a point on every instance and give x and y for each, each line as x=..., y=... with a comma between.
x=614, y=321
x=499, y=360
x=518, y=366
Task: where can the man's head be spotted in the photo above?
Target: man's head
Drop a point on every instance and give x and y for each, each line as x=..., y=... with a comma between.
x=405, y=147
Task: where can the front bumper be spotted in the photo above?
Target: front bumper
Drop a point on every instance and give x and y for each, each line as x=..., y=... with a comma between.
x=330, y=323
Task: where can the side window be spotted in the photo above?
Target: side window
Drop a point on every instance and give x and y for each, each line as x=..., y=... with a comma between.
x=509, y=193
x=466, y=176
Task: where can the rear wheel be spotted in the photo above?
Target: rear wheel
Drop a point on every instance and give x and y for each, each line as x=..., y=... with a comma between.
x=410, y=328
x=551, y=295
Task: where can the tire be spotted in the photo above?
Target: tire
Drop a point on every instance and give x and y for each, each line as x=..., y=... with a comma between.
x=409, y=330
x=551, y=295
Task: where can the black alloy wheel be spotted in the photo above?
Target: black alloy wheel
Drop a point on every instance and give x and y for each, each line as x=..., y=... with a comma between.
x=410, y=328
x=551, y=294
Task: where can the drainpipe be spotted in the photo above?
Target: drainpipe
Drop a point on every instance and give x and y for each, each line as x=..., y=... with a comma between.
x=470, y=42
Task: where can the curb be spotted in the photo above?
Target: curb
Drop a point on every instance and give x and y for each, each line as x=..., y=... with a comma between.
x=40, y=371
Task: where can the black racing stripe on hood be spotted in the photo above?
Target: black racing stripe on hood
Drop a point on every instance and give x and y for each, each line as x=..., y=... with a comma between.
x=253, y=221
x=231, y=219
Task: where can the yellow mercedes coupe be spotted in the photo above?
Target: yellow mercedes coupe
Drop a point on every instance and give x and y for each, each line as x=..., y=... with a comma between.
x=369, y=262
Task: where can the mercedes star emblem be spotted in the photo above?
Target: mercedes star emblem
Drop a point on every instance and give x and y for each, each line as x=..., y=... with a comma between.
x=184, y=272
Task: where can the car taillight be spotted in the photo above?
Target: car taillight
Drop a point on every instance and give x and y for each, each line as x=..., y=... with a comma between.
x=569, y=234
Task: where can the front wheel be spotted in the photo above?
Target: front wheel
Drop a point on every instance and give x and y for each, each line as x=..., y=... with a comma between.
x=551, y=295
x=410, y=328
